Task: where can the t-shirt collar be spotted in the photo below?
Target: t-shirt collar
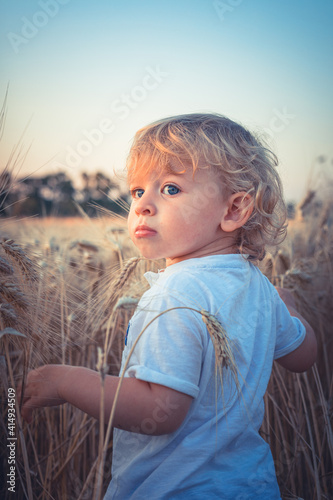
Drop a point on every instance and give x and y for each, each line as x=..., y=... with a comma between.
x=211, y=260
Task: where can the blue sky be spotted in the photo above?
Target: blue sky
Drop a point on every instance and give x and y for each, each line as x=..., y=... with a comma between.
x=86, y=75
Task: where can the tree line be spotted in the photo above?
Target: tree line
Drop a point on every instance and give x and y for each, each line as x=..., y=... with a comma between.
x=56, y=195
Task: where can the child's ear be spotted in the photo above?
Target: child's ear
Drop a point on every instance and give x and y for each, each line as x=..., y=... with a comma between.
x=238, y=210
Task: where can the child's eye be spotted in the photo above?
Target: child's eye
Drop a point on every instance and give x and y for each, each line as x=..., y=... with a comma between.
x=137, y=193
x=170, y=189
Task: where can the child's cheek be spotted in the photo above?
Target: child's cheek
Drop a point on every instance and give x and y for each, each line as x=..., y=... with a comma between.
x=131, y=222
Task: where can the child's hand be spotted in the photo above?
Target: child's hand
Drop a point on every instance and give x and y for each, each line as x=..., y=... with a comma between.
x=41, y=389
x=286, y=296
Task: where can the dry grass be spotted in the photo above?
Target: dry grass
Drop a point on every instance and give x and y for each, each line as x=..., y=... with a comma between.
x=67, y=311
x=72, y=300
x=298, y=423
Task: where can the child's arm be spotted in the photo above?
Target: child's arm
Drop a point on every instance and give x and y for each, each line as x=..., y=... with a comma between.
x=305, y=355
x=140, y=403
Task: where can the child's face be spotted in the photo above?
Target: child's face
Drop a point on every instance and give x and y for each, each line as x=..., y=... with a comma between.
x=178, y=216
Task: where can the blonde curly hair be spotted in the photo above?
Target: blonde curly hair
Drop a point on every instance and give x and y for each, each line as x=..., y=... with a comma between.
x=242, y=161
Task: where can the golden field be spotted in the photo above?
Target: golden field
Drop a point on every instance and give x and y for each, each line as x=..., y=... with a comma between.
x=70, y=286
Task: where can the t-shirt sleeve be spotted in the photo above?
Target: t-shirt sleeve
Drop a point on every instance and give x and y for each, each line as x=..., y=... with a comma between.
x=290, y=331
x=170, y=350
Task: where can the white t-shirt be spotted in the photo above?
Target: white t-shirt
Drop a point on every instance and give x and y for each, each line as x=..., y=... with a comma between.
x=217, y=453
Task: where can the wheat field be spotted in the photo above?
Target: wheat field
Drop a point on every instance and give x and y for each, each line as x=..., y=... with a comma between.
x=68, y=288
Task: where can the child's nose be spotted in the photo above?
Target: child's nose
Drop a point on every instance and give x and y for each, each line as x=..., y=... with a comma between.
x=145, y=206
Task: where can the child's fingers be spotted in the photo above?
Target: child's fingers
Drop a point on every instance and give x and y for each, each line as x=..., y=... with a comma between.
x=26, y=411
x=18, y=391
x=25, y=399
x=40, y=390
x=31, y=401
x=21, y=398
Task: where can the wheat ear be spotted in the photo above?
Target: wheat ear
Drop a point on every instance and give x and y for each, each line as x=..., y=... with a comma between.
x=12, y=293
x=125, y=272
x=224, y=357
x=117, y=286
x=5, y=267
x=17, y=253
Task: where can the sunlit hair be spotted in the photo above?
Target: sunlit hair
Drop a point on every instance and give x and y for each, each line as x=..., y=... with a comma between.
x=243, y=162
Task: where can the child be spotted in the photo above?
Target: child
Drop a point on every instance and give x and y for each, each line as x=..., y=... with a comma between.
x=206, y=197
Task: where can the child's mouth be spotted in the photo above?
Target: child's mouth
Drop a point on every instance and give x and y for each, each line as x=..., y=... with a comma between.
x=144, y=231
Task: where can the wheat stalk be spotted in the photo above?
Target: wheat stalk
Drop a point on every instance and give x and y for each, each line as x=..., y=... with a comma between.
x=18, y=254
x=8, y=314
x=5, y=267
x=224, y=357
x=12, y=293
x=127, y=269
x=117, y=287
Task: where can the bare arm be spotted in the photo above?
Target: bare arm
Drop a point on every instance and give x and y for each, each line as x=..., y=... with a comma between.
x=302, y=358
x=142, y=407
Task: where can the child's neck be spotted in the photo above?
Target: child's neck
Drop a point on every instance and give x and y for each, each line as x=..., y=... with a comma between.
x=231, y=248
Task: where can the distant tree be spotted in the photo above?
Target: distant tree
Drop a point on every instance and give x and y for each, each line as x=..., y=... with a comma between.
x=52, y=194
x=291, y=210
x=100, y=191
x=55, y=194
